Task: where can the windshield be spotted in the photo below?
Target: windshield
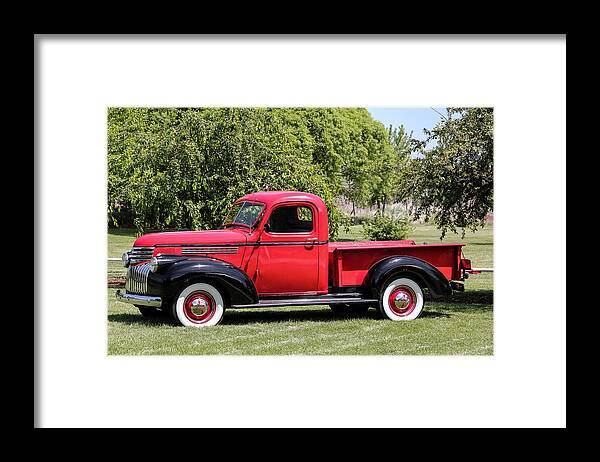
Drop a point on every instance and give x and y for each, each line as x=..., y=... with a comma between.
x=244, y=214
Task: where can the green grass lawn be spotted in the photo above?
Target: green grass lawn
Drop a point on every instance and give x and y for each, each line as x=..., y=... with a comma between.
x=462, y=325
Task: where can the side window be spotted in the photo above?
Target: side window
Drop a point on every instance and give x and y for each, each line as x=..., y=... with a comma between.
x=291, y=219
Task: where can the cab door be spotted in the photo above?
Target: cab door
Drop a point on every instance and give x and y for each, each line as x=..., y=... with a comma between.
x=288, y=257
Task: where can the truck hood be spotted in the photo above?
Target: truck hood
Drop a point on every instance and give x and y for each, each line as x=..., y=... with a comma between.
x=221, y=236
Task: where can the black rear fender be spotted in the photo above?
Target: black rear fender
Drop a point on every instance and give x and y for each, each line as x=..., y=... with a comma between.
x=422, y=272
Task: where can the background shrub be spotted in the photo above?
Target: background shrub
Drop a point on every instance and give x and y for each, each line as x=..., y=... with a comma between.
x=386, y=228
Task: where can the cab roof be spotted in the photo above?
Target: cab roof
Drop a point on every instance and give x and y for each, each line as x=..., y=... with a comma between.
x=275, y=197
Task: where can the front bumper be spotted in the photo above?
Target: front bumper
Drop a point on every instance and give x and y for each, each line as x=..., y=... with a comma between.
x=136, y=299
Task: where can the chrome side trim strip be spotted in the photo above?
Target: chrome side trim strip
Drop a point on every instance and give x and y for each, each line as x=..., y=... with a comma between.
x=320, y=300
x=191, y=250
x=247, y=244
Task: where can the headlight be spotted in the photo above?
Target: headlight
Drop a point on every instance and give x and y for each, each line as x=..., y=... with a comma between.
x=154, y=264
x=125, y=259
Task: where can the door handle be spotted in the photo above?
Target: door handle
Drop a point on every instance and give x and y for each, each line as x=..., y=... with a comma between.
x=312, y=239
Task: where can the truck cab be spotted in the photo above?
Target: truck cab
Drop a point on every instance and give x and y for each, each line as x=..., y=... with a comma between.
x=273, y=250
x=289, y=255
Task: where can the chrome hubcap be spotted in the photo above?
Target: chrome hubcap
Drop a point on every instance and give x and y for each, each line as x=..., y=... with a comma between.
x=199, y=307
x=401, y=300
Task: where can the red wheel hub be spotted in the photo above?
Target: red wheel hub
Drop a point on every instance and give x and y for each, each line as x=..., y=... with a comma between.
x=199, y=307
x=402, y=301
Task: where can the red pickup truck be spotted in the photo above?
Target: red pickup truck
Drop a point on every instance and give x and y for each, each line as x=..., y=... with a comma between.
x=273, y=250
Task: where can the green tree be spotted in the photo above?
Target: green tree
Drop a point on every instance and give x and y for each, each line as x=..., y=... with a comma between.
x=452, y=182
x=362, y=138
x=390, y=169
x=374, y=162
x=182, y=168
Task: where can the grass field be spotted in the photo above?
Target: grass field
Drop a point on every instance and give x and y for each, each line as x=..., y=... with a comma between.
x=462, y=325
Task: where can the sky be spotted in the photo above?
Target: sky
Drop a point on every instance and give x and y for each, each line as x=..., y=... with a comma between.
x=413, y=119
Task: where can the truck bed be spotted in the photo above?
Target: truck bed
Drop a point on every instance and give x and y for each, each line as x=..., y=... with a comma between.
x=349, y=262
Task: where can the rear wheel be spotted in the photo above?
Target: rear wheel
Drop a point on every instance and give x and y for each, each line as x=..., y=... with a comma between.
x=401, y=300
x=198, y=305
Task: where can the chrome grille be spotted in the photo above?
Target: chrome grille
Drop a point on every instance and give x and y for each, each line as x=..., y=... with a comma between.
x=195, y=250
x=140, y=254
x=137, y=279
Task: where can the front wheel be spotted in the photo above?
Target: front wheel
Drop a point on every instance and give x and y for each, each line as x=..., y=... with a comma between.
x=198, y=305
x=401, y=300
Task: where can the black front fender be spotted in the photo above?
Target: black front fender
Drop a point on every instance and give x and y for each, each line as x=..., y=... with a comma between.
x=178, y=271
x=423, y=272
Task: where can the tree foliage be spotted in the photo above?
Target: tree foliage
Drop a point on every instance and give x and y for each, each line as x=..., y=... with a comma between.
x=374, y=170
x=452, y=182
x=182, y=168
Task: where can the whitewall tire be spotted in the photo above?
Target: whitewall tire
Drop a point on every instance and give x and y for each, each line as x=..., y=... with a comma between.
x=402, y=300
x=198, y=305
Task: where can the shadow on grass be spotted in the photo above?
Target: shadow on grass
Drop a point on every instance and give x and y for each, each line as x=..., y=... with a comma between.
x=477, y=297
x=325, y=315
x=126, y=318
x=250, y=316
x=433, y=314
x=474, y=297
x=481, y=301
x=241, y=316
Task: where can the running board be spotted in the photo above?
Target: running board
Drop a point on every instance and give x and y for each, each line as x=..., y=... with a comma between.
x=319, y=300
